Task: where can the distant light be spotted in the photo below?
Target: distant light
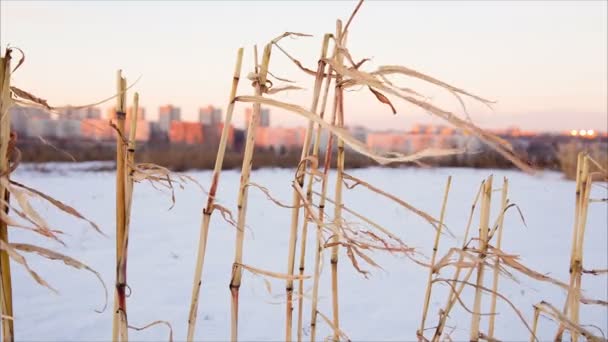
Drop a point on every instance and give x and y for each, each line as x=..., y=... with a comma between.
x=573, y=132
x=590, y=132
x=582, y=132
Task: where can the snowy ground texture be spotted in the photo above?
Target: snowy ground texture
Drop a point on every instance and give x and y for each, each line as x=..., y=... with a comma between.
x=387, y=306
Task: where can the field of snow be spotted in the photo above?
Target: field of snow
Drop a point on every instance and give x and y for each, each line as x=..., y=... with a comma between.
x=387, y=306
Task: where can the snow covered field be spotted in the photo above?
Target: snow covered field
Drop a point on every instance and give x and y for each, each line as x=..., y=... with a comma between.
x=387, y=306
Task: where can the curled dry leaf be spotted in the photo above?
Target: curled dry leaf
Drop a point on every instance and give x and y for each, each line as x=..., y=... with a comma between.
x=383, y=99
x=153, y=324
x=268, y=195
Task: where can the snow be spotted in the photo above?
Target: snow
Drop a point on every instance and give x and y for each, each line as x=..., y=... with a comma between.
x=387, y=306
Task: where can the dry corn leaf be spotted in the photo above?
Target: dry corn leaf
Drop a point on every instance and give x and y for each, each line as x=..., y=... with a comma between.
x=20, y=259
x=346, y=137
x=58, y=204
x=383, y=99
x=69, y=261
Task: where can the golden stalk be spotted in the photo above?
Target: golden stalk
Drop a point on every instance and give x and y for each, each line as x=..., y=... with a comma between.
x=6, y=291
x=503, y=208
x=208, y=210
x=483, y=246
x=578, y=258
x=339, y=105
x=237, y=272
x=131, y=158
x=427, y=295
x=119, y=325
x=313, y=108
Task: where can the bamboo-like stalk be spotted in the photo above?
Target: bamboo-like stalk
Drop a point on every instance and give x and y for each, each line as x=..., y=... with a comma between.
x=208, y=210
x=454, y=294
x=237, y=272
x=339, y=103
x=503, y=208
x=6, y=291
x=119, y=325
x=427, y=295
x=578, y=258
x=483, y=246
x=313, y=108
x=577, y=206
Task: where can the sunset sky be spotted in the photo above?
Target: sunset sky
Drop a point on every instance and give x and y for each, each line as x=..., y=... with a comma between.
x=543, y=62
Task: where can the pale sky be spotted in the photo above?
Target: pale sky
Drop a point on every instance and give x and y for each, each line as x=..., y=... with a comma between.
x=544, y=62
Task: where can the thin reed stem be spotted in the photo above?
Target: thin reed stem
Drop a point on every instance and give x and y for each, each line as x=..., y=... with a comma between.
x=322, y=199
x=339, y=105
x=313, y=108
x=578, y=258
x=237, y=272
x=208, y=210
x=503, y=208
x=452, y=297
x=577, y=206
x=483, y=246
x=427, y=295
x=119, y=326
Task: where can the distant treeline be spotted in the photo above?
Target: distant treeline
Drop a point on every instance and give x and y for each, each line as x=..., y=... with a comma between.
x=190, y=157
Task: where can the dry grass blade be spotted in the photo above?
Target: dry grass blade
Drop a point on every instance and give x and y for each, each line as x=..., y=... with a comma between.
x=39, y=102
x=153, y=324
x=519, y=314
x=52, y=255
x=397, y=69
x=513, y=263
x=498, y=144
x=271, y=274
x=427, y=296
x=37, y=227
x=566, y=322
x=58, y=204
x=348, y=139
x=270, y=197
x=20, y=259
x=281, y=89
x=433, y=221
x=334, y=328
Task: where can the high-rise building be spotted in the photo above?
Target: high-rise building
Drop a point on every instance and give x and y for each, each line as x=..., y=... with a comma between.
x=141, y=113
x=263, y=120
x=22, y=116
x=167, y=114
x=210, y=115
x=74, y=113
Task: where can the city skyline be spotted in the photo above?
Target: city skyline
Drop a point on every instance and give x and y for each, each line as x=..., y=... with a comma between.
x=544, y=62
